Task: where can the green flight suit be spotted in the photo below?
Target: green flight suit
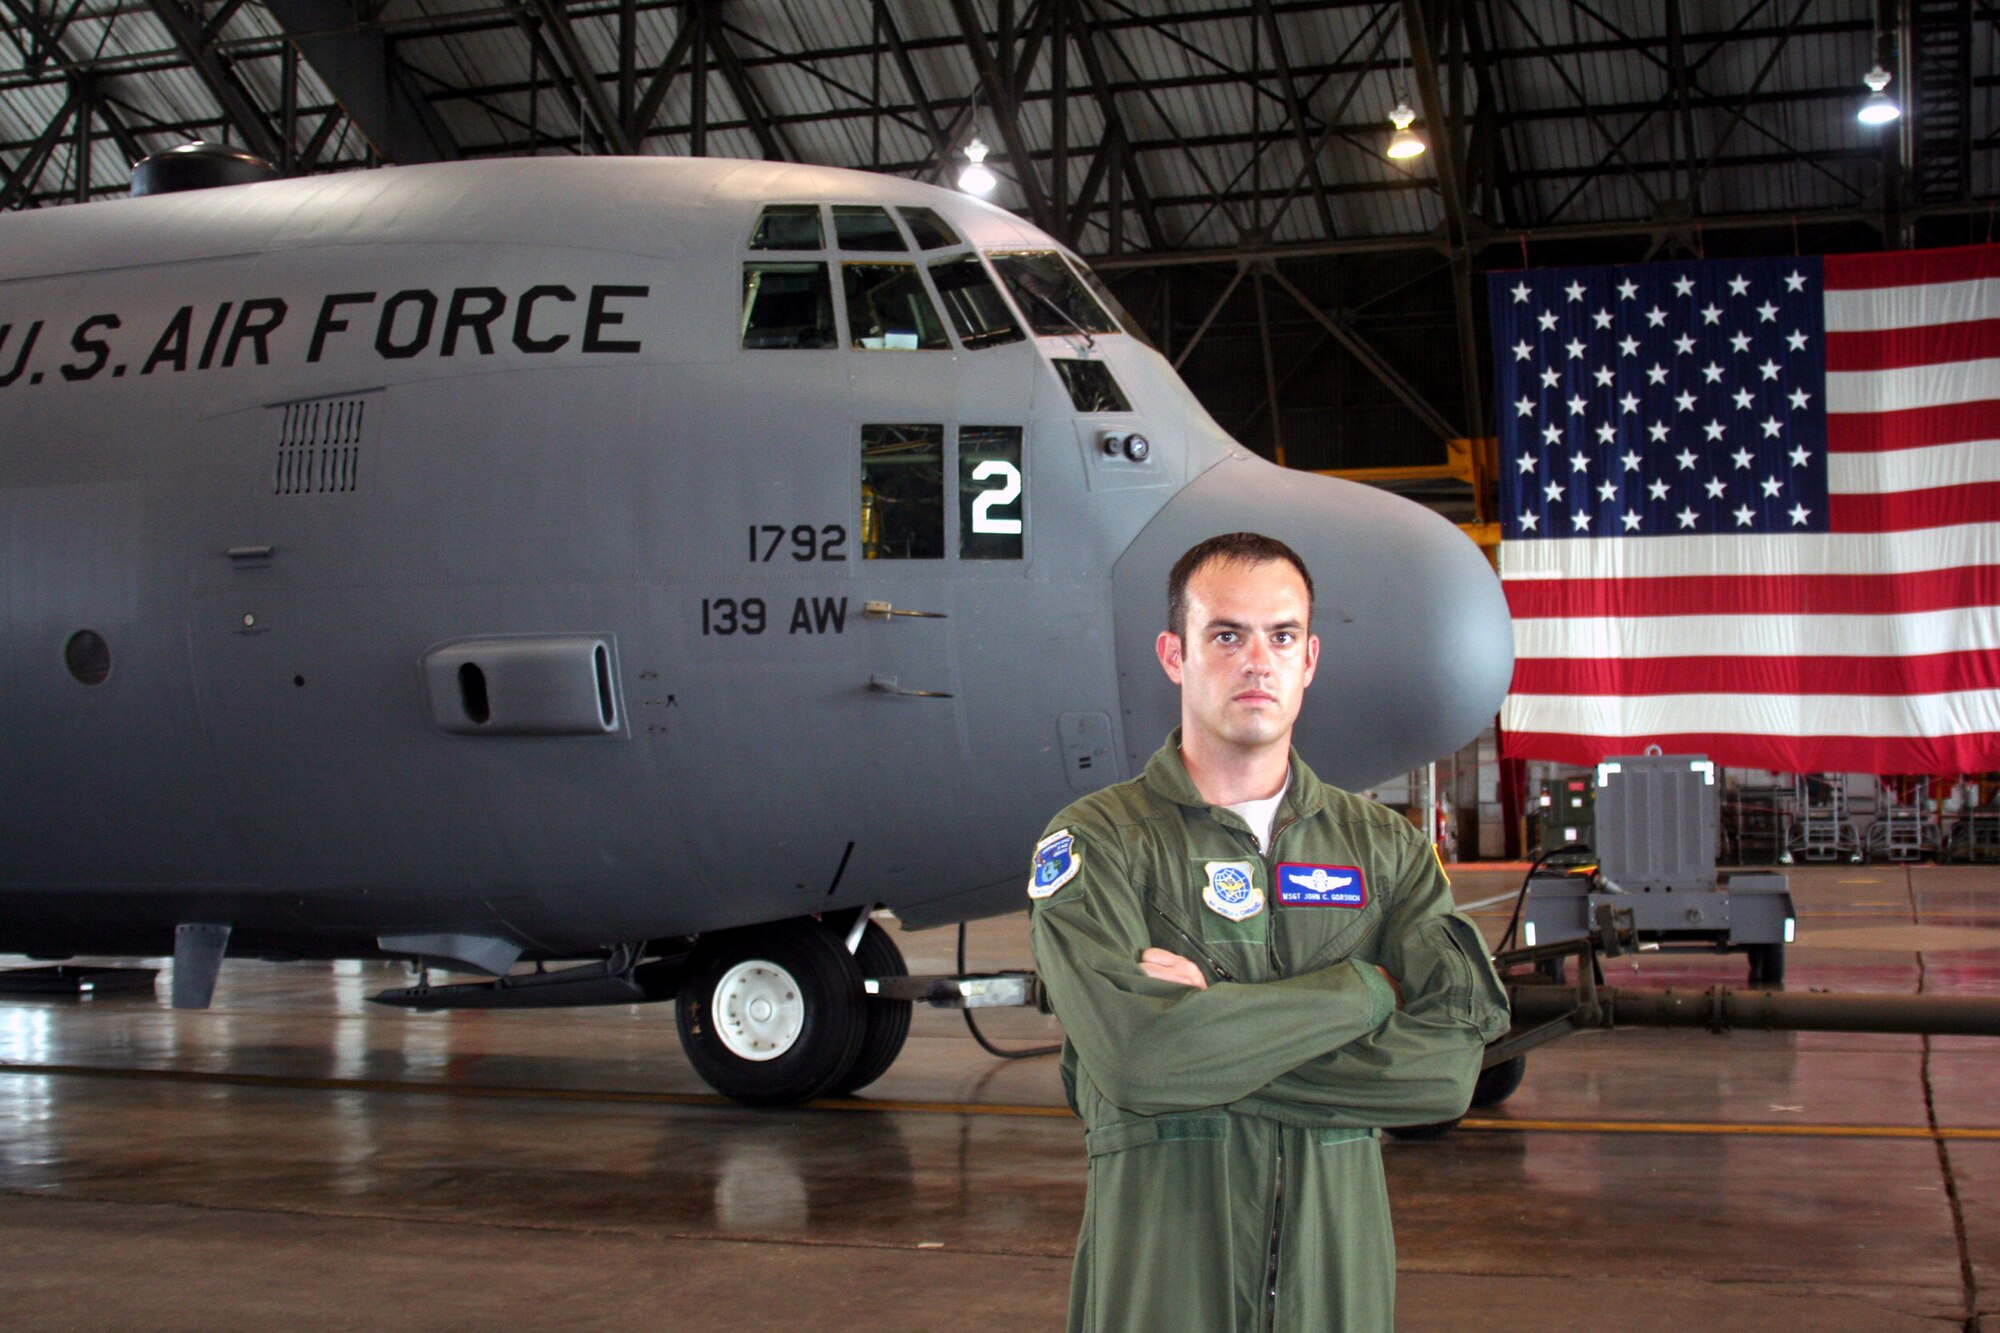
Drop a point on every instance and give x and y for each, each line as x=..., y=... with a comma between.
x=1235, y=1177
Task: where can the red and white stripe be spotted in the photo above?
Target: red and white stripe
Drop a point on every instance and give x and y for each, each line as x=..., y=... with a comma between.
x=1874, y=647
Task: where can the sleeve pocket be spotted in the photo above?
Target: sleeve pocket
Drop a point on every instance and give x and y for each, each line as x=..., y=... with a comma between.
x=1454, y=975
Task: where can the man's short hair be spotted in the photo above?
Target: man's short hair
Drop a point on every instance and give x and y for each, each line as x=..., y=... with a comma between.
x=1249, y=548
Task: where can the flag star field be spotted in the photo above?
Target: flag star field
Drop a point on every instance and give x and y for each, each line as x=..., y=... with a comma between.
x=1661, y=398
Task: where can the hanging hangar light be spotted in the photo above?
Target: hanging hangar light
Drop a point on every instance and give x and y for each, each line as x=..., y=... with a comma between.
x=1404, y=143
x=1880, y=108
x=976, y=178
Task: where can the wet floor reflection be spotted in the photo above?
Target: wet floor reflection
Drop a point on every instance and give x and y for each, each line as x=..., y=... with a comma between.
x=1726, y=1209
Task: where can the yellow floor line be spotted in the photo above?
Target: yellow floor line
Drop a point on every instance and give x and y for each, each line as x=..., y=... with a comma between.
x=1726, y=1128
x=630, y=1097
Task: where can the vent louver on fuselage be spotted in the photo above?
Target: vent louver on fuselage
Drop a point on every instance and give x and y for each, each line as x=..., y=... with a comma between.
x=319, y=447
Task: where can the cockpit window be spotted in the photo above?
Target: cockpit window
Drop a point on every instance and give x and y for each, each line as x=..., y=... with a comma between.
x=1050, y=295
x=978, y=311
x=865, y=227
x=1091, y=387
x=902, y=492
x=887, y=308
x=787, y=305
x=932, y=232
x=789, y=227
x=1103, y=293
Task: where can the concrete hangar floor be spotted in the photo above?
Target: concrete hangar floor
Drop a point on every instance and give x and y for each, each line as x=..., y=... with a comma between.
x=298, y=1158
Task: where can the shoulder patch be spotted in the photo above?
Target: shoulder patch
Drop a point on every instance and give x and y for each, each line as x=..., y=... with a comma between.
x=1057, y=859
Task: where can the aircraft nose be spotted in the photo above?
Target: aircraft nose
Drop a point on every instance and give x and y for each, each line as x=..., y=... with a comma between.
x=1416, y=648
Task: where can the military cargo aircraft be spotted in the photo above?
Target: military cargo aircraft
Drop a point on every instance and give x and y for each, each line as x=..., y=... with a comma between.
x=648, y=565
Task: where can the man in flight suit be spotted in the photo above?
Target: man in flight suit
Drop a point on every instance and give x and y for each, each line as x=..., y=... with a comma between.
x=1254, y=972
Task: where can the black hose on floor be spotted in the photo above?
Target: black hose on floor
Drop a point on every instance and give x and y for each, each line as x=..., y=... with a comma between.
x=1521, y=898
x=972, y=1025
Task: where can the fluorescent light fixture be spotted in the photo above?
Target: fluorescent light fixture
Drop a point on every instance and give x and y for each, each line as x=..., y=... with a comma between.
x=1791, y=929
x=1403, y=143
x=1528, y=933
x=976, y=179
x=1880, y=108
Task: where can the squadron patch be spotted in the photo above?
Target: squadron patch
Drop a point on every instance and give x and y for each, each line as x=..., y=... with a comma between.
x=1321, y=886
x=1231, y=891
x=1057, y=859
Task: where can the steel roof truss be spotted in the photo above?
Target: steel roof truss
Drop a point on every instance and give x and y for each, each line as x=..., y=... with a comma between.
x=587, y=90
x=1295, y=112
x=1085, y=34
x=1737, y=113
x=28, y=174
x=913, y=84
x=662, y=81
x=771, y=138
x=1000, y=93
x=239, y=109
x=359, y=66
x=1616, y=144
x=1373, y=361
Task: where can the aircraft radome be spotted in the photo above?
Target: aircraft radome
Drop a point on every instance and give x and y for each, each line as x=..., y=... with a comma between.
x=642, y=563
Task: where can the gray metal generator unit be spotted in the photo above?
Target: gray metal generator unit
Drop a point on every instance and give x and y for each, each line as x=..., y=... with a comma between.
x=1658, y=824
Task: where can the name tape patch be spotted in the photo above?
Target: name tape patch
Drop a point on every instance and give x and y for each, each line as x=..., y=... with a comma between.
x=1057, y=859
x=1321, y=886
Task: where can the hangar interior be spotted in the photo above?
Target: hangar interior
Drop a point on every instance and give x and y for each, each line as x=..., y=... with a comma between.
x=295, y=1155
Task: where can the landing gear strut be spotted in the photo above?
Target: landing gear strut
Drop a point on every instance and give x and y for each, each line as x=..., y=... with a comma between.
x=888, y=1021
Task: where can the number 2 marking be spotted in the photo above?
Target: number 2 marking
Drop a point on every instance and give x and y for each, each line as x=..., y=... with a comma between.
x=1006, y=493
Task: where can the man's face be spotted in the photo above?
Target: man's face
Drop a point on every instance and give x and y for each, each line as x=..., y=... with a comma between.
x=1246, y=659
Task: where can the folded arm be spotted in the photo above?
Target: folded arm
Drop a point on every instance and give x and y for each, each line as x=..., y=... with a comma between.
x=1154, y=1043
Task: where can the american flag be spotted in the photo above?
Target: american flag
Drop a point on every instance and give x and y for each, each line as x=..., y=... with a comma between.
x=1752, y=510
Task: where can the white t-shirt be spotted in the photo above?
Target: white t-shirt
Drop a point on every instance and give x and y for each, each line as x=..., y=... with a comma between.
x=1259, y=814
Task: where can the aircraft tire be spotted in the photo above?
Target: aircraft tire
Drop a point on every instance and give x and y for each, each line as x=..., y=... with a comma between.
x=1497, y=1083
x=887, y=1021
x=772, y=1015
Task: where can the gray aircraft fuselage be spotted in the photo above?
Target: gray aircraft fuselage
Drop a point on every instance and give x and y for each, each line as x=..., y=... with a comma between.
x=461, y=571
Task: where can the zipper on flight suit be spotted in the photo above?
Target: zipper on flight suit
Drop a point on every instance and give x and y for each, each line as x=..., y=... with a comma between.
x=1271, y=877
x=1278, y=1180
x=1277, y=1226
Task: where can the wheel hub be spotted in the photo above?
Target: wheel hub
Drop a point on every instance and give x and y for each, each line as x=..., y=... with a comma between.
x=758, y=1010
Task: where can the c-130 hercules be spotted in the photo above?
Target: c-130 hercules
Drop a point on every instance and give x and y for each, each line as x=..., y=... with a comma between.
x=650, y=564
